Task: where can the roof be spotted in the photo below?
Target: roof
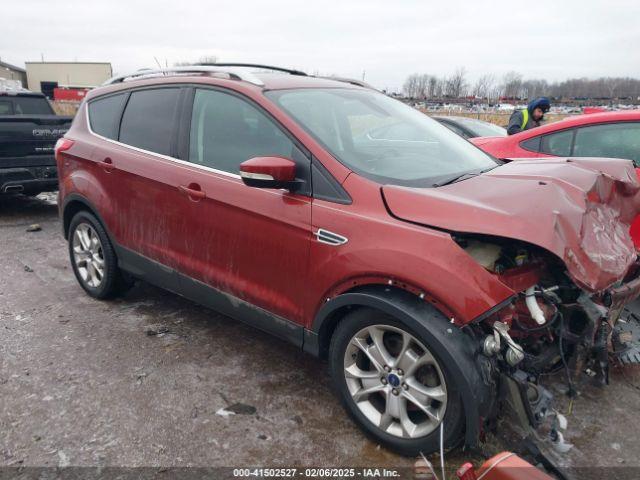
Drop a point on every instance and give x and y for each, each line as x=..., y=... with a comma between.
x=12, y=67
x=275, y=81
x=20, y=93
x=68, y=63
x=270, y=81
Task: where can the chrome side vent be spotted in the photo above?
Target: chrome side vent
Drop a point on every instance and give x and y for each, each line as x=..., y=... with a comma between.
x=330, y=238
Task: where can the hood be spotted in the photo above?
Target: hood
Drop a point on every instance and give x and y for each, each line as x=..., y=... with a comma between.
x=578, y=209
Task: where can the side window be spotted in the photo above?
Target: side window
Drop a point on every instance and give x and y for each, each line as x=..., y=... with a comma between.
x=616, y=140
x=104, y=115
x=531, y=144
x=6, y=108
x=149, y=119
x=226, y=131
x=456, y=129
x=557, y=143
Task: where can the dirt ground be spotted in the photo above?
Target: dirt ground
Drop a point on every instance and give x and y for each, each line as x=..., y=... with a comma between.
x=88, y=383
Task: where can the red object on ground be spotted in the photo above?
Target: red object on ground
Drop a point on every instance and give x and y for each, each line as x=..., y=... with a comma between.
x=69, y=94
x=466, y=472
x=508, y=466
x=567, y=138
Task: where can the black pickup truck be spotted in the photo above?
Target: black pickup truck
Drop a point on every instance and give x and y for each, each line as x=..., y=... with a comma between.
x=29, y=129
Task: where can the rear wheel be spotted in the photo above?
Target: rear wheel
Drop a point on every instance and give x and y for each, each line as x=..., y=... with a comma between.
x=93, y=258
x=393, y=385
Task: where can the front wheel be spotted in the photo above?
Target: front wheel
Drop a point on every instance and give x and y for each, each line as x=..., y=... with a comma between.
x=93, y=258
x=393, y=385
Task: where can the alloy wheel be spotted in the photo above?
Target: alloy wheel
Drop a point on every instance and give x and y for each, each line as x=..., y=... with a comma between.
x=88, y=255
x=395, y=381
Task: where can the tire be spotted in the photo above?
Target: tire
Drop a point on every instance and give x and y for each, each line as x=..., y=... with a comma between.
x=352, y=371
x=93, y=258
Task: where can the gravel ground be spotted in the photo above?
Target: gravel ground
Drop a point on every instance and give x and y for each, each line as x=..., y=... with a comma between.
x=90, y=383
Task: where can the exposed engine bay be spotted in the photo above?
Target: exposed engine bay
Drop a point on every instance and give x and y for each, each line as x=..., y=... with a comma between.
x=551, y=325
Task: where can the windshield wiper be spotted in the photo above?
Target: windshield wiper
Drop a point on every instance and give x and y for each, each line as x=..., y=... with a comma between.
x=462, y=176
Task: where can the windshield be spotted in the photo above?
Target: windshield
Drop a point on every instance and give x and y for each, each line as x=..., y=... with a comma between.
x=380, y=138
x=483, y=129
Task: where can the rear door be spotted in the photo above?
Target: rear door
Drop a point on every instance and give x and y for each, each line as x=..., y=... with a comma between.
x=615, y=140
x=250, y=243
x=136, y=165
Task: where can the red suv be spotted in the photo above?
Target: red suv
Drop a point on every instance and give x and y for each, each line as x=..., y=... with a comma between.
x=428, y=273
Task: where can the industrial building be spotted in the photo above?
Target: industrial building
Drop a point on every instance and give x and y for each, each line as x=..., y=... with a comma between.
x=46, y=76
x=11, y=72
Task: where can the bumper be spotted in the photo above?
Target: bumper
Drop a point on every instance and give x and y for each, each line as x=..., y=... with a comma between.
x=28, y=179
x=617, y=297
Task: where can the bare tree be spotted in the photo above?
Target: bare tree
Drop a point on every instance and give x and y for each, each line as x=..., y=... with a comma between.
x=456, y=83
x=432, y=88
x=484, y=85
x=511, y=83
x=410, y=87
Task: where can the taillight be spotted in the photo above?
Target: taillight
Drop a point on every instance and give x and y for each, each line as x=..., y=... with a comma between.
x=62, y=145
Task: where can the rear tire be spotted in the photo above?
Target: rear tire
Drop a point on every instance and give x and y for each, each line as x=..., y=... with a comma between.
x=93, y=258
x=392, y=384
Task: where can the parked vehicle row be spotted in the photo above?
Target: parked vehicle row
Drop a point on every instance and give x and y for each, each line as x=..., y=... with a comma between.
x=432, y=276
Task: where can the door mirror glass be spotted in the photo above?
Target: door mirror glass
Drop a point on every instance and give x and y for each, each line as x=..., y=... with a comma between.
x=269, y=172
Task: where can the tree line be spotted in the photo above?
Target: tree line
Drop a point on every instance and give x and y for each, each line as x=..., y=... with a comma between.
x=513, y=85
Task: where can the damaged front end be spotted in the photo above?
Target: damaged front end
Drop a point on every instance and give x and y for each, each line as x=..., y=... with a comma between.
x=556, y=233
x=552, y=325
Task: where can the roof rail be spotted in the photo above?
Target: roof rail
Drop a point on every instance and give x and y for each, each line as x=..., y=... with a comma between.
x=257, y=65
x=238, y=75
x=351, y=81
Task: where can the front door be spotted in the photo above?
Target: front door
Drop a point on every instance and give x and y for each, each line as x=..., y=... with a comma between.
x=252, y=244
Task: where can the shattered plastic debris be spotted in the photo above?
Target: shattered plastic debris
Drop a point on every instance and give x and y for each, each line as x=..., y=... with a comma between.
x=155, y=329
x=237, y=409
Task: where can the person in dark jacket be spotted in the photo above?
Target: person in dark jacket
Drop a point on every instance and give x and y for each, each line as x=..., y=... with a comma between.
x=530, y=117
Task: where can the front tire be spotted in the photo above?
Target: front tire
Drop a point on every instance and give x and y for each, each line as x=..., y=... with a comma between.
x=93, y=258
x=393, y=385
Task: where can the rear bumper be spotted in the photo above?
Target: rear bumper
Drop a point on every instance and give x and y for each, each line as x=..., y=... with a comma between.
x=28, y=179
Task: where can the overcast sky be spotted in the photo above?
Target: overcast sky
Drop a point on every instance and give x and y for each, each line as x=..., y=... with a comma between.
x=388, y=40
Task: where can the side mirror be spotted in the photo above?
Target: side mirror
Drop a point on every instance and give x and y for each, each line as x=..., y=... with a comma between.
x=269, y=172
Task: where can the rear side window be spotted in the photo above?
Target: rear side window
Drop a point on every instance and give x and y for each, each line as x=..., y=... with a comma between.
x=226, y=131
x=616, y=140
x=456, y=129
x=104, y=115
x=5, y=107
x=32, y=106
x=149, y=119
x=531, y=144
x=558, y=144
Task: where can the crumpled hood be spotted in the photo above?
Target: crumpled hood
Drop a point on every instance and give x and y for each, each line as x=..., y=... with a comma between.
x=578, y=209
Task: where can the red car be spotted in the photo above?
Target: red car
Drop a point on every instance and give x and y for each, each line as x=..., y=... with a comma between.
x=608, y=134
x=416, y=266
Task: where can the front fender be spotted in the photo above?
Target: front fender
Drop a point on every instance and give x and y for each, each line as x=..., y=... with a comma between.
x=454, y=346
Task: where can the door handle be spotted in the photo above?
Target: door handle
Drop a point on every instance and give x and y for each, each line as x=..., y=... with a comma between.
x=107, y=165
x=193, y=191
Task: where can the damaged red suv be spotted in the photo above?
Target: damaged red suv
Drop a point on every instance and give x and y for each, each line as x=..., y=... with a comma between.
x=430, y=275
